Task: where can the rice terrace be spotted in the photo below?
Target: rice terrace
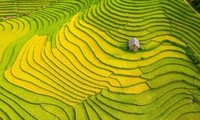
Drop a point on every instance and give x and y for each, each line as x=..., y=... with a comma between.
x=73, y=60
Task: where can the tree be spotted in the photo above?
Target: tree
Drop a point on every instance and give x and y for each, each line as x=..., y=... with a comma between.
x=196, y=2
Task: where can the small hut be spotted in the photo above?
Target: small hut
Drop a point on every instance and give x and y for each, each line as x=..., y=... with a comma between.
x=134, y=44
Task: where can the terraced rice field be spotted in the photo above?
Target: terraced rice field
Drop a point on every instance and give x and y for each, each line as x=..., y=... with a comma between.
x=17, y=8
x=70, y=60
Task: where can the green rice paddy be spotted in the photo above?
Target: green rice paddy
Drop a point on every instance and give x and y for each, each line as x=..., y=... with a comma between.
x=68, y=59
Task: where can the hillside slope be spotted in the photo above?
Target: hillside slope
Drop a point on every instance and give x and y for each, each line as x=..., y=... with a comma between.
x=70, y=61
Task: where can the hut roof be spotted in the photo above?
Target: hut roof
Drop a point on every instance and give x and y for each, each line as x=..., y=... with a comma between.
x=134, y=41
